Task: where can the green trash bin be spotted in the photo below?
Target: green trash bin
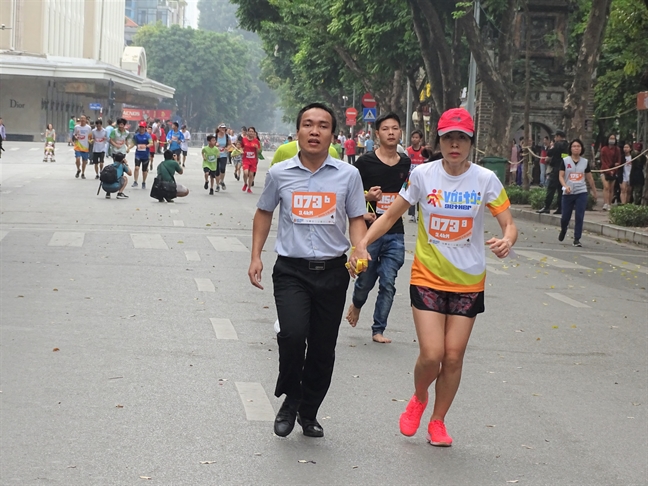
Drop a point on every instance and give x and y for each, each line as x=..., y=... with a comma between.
x=497, y=165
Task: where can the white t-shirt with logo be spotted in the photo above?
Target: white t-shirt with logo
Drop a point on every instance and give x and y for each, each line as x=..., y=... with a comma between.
x=81, y=134
x=100, y=140
x=450, y=254
x=184, y=145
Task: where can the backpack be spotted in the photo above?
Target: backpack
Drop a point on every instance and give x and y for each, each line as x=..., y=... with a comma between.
x=109, y=174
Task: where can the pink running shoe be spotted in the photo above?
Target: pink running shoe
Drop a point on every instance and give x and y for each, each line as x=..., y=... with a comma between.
x=410, y=419
x=244, y=188
x=249, y=190
x=437, y=435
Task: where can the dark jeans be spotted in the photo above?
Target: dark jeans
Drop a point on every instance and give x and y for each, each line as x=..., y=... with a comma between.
x=569, y=202
x=387, y=257
x=351, y=159
x=552, y=187
x=309, y=304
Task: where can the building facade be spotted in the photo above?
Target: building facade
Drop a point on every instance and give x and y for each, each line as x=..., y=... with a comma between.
x=59, y=56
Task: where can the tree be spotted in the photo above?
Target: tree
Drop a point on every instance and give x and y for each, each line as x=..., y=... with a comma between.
x=588, y=56
x=212, y=74
x=622, y=69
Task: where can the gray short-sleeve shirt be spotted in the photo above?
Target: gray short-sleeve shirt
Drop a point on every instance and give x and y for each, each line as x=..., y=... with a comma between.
x=313, y=241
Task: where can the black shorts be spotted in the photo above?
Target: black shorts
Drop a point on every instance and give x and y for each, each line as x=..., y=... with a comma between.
x=610, y=176
x=212, y=173
x=221, y=165
x=97, y=158
x=143, y=162
x=151, y=156
x=184, y=152
x=449, y=303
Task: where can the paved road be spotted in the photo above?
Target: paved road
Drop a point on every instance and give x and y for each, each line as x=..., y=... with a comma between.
x=134, y=346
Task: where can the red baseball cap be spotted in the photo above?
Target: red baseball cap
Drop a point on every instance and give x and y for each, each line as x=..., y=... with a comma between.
x=456, y=120
x=142, y=124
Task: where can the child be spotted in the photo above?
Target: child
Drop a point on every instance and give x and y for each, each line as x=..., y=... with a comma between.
x=210, y=154
x=49, y=152
x=237, y=159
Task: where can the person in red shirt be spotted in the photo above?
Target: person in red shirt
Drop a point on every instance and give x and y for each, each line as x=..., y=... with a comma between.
x=350, y=150
x=152, y=147
x=610, y=158
x=251, y=148
x=415, y=153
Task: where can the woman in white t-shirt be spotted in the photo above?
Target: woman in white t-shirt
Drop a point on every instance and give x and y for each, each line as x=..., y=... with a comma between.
x=626, y=188
x=574, y=176
x=449, y=269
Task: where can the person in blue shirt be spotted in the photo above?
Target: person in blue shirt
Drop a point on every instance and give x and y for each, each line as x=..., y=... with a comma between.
x=175, y=138
x=369, y=144
x=122, y=168
x=143, y=141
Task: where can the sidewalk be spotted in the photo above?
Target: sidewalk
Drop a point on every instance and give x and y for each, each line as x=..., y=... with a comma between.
x=596, y=222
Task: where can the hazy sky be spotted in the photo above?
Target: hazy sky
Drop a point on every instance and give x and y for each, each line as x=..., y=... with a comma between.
x=192, y=13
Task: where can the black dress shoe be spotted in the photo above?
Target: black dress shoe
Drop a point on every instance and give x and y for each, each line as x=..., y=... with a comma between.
x=543, y=210
x=557, y=211
x=311, y=428
x=562, y=234
x=285, y=419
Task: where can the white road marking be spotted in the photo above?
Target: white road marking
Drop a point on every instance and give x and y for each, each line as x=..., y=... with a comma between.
x=149, y=241
x=554, y=262
x=174, y=211
x=567, y=300
x=15, y=148
x=255, y=402
x=3, y=234
x=223, y=328
x=633, y=267
x=67, y=239
x=205, y=285
x=494, y=270
x=225, y=243
x=178, y=222
x=192, y=256
x=5, y=192
x=34, y=148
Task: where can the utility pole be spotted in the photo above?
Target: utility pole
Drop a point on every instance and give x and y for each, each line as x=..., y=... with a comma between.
x=408, y=113
x=527, y=101
x=472, y=73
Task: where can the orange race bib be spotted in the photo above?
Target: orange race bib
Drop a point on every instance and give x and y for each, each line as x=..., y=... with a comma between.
x=576, y=176
x=387, y=199
x=313, y=207
x=450, y=230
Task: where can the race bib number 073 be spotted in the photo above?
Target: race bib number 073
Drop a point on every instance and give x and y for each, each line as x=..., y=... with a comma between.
x=313, y=207
x=453, y=231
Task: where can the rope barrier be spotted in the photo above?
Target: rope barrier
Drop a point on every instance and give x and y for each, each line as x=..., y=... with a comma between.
x=622, y=165
x=616, y=116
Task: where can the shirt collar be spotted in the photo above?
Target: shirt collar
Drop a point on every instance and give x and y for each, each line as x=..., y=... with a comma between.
x=296, y=162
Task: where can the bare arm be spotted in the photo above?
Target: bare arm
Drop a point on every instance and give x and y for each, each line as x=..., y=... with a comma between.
x=501, y=247
x=379, y=228
x=561, y=178
x=260, y=230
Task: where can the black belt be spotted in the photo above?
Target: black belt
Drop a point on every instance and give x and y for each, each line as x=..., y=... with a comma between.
x=316, y=265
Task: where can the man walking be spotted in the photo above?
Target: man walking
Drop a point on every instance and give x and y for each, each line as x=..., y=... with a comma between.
x=555, y=155
x=142, y=141
x=383, y=173
x=118, y=138
x=81, y=136
x=315, y=194
x=175, y=138
x=99, y=139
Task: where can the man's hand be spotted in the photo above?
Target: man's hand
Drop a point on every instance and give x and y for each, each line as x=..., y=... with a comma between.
x=374, y=194
x=369, y=217
x=254, y=272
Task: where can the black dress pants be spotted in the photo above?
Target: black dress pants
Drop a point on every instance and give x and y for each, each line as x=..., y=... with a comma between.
x=552, y=187
x=310, y=304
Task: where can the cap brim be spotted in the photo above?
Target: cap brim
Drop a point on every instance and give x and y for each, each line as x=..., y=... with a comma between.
x=455, y=129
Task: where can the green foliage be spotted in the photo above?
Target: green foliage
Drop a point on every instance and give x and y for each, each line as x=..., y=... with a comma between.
x=213, y=74
x=629, y=215
x=537, y=198
x=622, y=65
x=518, y=195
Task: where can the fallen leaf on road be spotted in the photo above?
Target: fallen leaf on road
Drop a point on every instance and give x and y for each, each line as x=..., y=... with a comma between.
x=490, y=426
x=119, y=406
x=519, y=330
x=304, y=461
x=207, y=462
x=356, y=376
x=257, y=453
x=71, y=467
x=537, y=395
x=146, y=477
x=354, y=467
x=513, y=481
x=56, y=349
x=397, y=400
x=554, y=327
x=21, y=296
x=55, y=290
x=527, y=447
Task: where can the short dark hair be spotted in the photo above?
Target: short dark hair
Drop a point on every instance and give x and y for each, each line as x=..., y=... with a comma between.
x=121, y=121
x=168, y=155
x=210, y=138
x=320, y=106
x=118, y=157
x=175, y=124
x=98, y=121
x=387, y=116
x=560, y=133
x=579, y=142
x=417, y=132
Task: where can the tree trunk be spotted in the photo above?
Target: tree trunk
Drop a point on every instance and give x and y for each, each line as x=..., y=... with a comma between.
x=497, y=78
x=577, y=98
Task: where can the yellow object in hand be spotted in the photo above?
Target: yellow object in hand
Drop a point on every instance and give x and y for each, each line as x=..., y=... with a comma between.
x=361, y=265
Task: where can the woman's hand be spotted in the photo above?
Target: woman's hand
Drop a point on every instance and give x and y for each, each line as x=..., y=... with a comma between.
x=567, y=189
x=501, y=247
x=361, y=254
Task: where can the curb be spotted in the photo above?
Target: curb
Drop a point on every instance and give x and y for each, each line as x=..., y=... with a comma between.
x=609, y=230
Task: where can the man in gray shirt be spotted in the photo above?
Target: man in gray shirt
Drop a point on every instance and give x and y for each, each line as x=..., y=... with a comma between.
x=316, y=194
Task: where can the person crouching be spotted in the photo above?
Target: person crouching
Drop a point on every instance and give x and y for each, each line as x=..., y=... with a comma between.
x=113, y=177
